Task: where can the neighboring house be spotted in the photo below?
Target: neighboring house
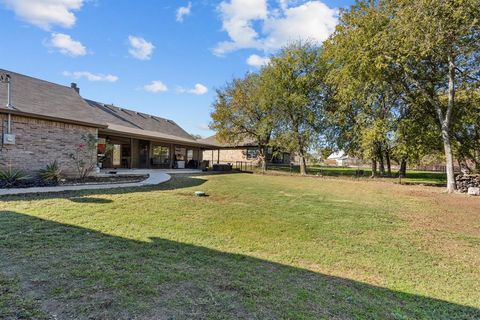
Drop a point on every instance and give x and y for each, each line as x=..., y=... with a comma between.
x=246, y=151
x=49, y=120
x=341, y=159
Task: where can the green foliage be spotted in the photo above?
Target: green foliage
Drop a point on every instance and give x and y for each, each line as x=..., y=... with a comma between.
x=9, y=176
x=242, y=113
x=296, y=86
x=51, y=173
x=415, y=57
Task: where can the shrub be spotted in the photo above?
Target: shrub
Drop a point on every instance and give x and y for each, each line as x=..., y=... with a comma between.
x=51, y=173
x=85, y=156
x=11, y=177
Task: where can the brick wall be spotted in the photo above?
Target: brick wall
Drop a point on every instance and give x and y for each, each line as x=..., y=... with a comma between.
x=40, y=142
x=228, y=155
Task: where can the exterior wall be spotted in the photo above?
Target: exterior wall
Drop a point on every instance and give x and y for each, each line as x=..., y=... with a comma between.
x=227, y=155
x=41, y=142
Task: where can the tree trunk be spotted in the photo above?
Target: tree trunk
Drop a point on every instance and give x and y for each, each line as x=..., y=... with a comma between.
x=402, y=173
x=451, y=185
x=262, y=157
x=381, y=164
x=389, y=164
x=303, y=170
x=374, y=168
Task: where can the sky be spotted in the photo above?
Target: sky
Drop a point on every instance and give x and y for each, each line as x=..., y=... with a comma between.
x=161, y=57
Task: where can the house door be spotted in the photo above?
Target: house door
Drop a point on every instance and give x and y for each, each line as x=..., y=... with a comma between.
x=144, y=154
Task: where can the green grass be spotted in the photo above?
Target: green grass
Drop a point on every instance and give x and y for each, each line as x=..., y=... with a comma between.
x=265, y=247
x=413, y=176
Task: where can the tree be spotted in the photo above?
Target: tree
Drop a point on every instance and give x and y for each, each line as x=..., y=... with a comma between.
x=242, y=113
x=437, y=55
x=294, y=83
x=424, y=50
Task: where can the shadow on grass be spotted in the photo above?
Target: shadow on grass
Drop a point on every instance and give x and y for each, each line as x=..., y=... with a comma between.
x=73, y=272
x=177, y=181
x=90, y=200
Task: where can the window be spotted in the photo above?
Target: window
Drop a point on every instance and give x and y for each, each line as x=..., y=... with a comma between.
x=180, y=154
x=189, y=154
x=160, y=155
x=252, y=153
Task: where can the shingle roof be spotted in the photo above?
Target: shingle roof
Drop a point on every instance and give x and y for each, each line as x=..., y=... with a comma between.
x=212, y=140
x=46, y=99
x=113, y=115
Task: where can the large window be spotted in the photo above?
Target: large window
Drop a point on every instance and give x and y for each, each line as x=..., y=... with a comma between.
x=252, y=153
x=160, y=155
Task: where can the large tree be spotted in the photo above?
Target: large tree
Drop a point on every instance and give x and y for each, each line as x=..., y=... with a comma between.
x=242, y=113
x=425, y=50
x=294, y=83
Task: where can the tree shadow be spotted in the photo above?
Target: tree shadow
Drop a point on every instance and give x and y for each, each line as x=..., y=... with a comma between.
x=178, y=181
x=90, y=200
x=73, y=272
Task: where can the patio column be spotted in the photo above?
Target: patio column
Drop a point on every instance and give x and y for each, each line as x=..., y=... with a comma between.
x=172, y=151
x=130, y=165
x=218, y=156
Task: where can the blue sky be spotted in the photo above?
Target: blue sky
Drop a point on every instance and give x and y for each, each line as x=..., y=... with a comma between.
x=160, y=57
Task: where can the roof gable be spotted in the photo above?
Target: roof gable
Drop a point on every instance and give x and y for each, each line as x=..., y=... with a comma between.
x=42, y=98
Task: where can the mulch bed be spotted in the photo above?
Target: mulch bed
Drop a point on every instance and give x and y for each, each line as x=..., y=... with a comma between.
x=38, y=182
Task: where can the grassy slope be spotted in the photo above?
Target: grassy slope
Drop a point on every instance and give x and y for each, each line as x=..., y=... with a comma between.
x=257, y=247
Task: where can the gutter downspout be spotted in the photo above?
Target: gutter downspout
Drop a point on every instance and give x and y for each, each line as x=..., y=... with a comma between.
x=9, y=104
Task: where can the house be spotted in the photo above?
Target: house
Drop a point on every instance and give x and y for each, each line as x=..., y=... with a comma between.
x=47, y=122
x=245, y=151
x=341, y=159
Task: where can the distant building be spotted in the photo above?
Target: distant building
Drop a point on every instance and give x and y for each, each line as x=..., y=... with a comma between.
x=245, y=151
x=341, y=159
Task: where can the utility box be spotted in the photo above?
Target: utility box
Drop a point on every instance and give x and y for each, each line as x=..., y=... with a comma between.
x=8, y=138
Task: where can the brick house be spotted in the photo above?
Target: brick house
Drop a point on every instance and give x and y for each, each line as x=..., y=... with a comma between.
x=47, y=122
x=246, y=151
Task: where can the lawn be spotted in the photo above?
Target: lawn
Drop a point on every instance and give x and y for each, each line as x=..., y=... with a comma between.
x=413, y=176
x=258, y=247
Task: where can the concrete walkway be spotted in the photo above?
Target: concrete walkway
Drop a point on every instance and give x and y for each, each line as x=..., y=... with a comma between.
x=155, y=177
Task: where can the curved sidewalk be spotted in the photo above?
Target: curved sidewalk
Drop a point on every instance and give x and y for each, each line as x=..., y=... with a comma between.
x=155, y=177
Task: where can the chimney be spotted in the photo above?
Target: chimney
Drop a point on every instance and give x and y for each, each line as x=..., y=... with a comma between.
x=73, y=85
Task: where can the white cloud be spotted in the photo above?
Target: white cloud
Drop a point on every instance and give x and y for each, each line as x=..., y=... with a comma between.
x=257, y=61
x=155, y=87
x=90, y=76
x=45, y=13
x=199, y=89
x=66, y=45
x=140, y=48
x=312, y=20
x=251, y=24
x=237, y=17
x=183, y=11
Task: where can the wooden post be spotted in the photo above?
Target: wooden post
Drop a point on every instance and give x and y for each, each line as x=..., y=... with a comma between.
x=131, y=154
x=172, y=151
x=218, y=156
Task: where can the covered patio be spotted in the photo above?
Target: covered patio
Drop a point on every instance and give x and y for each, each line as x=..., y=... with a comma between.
x=121, y=151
